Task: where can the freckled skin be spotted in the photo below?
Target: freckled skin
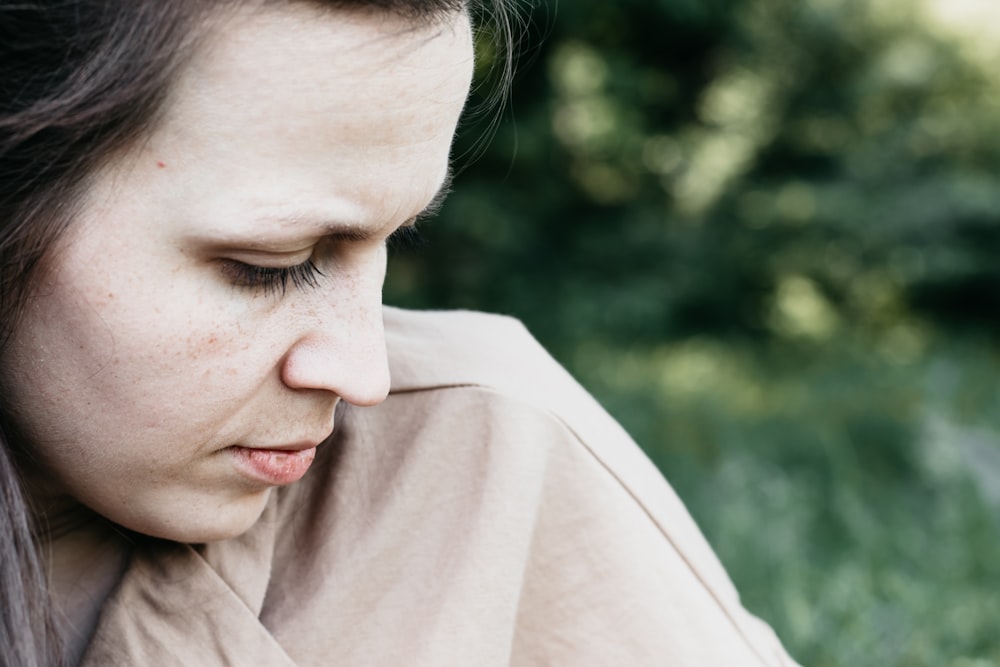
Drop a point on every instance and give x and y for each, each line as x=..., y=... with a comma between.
x=140, y=363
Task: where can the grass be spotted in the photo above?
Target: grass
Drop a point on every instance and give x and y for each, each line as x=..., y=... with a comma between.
x=853, y=493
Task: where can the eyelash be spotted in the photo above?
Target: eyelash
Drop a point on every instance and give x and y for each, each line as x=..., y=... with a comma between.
x=405, y=237
x=273, y=279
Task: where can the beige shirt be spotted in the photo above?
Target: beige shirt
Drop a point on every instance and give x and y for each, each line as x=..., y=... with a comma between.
x=489, y=512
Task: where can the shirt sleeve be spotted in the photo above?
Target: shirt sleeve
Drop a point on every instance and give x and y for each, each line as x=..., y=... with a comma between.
x=617, y=571
x=620, y=575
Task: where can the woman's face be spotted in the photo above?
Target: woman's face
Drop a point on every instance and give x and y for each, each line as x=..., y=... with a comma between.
x=221, y=289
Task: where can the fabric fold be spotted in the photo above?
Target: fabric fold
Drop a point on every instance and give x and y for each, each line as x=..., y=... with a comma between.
x=173, y=609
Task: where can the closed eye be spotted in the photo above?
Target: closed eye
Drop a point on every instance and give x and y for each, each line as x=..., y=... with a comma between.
x=272, y=280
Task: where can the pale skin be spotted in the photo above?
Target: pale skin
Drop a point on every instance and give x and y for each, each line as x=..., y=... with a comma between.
x=149, y=352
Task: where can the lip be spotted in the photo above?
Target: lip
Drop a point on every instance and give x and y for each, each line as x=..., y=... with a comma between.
x=274, y=466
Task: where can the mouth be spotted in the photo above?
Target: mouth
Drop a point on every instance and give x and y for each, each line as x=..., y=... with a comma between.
x=288, y=448
x=274, y=466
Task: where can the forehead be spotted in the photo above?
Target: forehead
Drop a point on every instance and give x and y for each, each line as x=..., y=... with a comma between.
x=298, y=100
x=298, y=48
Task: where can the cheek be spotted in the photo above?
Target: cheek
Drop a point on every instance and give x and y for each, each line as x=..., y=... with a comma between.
x=131, y=359
x=188, y=353
x=168, y=315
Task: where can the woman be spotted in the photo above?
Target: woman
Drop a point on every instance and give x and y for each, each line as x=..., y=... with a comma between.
x=196, y=198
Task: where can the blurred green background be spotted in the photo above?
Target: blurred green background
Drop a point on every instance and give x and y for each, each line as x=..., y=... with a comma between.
x=766, y=234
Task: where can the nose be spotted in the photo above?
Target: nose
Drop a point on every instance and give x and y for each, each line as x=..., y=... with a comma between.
x=346, y=356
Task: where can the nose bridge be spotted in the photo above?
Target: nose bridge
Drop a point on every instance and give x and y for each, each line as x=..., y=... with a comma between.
x=341, y=343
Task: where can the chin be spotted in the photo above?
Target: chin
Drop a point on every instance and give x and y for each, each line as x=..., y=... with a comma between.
x=197, y=523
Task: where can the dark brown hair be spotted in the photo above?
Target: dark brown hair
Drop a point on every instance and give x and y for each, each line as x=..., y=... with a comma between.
x=79, y=81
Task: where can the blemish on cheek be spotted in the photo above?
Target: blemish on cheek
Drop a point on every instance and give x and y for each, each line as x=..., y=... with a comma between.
x=161, y=164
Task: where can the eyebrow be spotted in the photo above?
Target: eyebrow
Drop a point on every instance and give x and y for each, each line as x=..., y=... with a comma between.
x=355, y=233
x=344, y=231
